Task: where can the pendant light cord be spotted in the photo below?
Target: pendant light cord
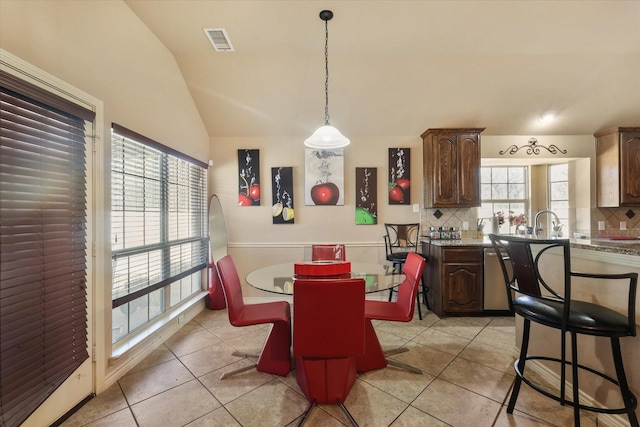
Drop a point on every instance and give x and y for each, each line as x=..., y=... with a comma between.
x=326, y=73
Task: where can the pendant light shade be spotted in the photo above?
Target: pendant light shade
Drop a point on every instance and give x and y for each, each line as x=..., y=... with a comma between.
x=326, y=137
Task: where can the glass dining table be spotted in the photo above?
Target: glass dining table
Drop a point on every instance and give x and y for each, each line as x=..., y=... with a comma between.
x=280, y=278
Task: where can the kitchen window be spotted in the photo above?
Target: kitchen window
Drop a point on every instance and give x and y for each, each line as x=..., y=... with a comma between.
x=158, y=229
x=559, y=193
x=504, y=189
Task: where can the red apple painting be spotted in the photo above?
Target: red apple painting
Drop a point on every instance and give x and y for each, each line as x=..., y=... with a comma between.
x=249, y=178
x=324, y=177
x=399, y=176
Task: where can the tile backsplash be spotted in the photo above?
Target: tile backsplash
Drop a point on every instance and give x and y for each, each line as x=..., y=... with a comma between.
x=612, y=218
x=455, y=217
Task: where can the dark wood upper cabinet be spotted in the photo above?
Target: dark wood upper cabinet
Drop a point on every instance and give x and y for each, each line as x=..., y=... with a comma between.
x=451, y=166
x=618, y=167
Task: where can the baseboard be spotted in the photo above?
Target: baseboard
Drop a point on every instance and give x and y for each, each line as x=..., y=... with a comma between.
x=606, y=420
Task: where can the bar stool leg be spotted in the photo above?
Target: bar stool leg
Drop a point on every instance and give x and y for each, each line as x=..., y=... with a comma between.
x=520, y=366
x=630, y=401
x=575, y=384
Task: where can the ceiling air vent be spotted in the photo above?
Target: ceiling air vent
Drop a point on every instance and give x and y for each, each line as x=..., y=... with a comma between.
x=219, y=39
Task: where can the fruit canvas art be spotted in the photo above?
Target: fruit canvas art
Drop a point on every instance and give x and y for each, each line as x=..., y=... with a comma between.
x=324, y=177
x=399, y=176
x=282, y=195
x=248, y=177
x=366, y=196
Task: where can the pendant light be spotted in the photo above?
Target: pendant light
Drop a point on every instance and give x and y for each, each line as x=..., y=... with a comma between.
x=326, y=137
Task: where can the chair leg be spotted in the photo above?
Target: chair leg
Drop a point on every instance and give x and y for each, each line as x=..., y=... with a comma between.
x=347, y=414
x=519, y=366
x=237, y=371
x=424, y=294
x=575, y=384
x=404, y=366
x=306, y=414
x=391, y=294
x=630, y=401
x=419, y=308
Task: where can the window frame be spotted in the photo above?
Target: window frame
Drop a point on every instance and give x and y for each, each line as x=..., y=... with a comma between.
x=175, y=175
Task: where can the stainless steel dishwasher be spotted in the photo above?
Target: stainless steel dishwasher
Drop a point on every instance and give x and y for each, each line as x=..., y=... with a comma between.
x=495, y=294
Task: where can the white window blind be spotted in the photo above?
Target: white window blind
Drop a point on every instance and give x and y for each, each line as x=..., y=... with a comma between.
x=159, y=215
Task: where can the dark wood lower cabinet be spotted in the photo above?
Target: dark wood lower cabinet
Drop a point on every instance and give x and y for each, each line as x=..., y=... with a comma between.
x=454, y=276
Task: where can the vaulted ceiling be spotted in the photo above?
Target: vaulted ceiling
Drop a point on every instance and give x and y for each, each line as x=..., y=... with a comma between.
x=398, y=67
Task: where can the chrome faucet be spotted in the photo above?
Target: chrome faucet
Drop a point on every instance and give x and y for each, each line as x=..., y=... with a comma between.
x=536, y=224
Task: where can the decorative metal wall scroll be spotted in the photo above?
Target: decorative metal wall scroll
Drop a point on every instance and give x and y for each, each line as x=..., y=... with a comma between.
x=533, y=148
x=249, y=177
x=366, y=196
x=399, y=176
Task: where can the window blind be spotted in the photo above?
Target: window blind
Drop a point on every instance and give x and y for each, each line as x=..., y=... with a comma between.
x=158, y=215
x=43, y=306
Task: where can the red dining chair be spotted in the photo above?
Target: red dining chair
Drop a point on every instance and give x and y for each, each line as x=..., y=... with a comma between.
x=328, y=253
x=275, y=356
x=399, y=311
x=328, y=334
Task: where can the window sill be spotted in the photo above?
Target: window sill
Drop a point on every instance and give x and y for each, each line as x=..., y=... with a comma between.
x=176, y=315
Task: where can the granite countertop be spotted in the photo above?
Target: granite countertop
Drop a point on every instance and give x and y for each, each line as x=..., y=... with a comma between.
x=629, y=247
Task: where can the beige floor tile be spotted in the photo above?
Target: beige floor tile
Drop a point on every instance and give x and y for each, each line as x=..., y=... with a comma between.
x=518, y=419
x=539, y=406
x=443, y=341
x=369, y=406
x=485, y=381
x=159, y=355
x=475, y=321
x=456, y=406
x=458, y=327
x=408, y=330
x=209, y=359
x=428, y=317
x=427, y=359
x=189, y=401
x=109, y=402
x=498, y=339
x=185, y=342
x=226, y=331
x=490, y=356
x=399, y=383
x=272, y=404
x=318, y=418
x=233, y=387
x=122, y=418
x=217, y=418
x=143, y=384
x=389, y=341
x=251, y=342
x=506, y=324
x=413, y=417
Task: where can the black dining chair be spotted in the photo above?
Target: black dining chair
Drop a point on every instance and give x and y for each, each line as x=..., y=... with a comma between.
x=532, y=295
x=400, y=240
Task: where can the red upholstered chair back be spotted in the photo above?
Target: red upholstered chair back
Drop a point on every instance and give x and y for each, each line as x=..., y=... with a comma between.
x=328, y=318
x=328, y=252
x=232, y=287
x=408, y=289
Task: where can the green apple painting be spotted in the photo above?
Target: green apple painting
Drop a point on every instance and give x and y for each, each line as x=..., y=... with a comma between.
x=324, y=177
x=366, y=196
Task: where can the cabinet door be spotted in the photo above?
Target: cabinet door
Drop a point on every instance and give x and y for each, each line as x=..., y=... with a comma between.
x=463, y=287
x=445, y=171
x=468, y=170
x=630, y=168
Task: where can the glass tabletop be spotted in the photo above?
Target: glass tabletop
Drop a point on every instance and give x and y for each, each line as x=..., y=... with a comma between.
x=280, y=278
